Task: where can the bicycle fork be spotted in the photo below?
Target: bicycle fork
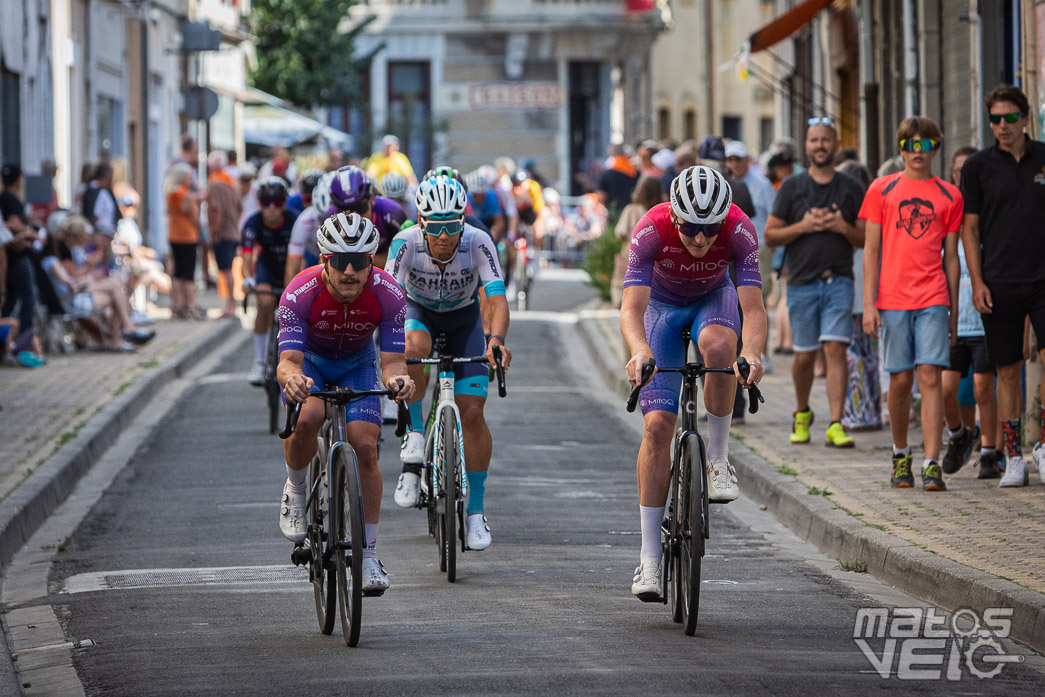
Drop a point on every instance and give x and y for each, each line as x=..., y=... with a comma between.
x=446, y=401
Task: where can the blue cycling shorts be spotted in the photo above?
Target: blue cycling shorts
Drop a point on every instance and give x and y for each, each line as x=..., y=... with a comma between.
x=464, y=337
x=358, y=372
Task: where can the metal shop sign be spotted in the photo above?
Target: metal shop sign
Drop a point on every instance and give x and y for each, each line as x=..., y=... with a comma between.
x=515, y=95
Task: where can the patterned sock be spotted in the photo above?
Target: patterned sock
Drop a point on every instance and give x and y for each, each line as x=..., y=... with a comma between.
x=476, y=491
x=1012, y=430
x=371, y=541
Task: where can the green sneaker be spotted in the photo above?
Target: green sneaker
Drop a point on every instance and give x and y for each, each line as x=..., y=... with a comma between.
x=902, y=477
x=932, y=477
x=800, y=423
x=837, y=437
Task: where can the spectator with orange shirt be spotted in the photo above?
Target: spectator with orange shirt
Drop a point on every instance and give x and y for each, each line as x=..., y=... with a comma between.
x=223, y=212
x=183, y=233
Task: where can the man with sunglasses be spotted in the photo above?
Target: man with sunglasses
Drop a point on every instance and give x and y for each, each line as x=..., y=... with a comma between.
x=1004, y=190
x=678, y=278
x=910, y=294
x=327, y=318
x=266, y=238
x=815, y=218
x=441, y=263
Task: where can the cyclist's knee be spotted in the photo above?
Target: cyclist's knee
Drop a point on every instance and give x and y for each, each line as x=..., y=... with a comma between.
x=472, y=415
x=719, y=348
x=418, y=343
x=658, y=426
x=366, y=453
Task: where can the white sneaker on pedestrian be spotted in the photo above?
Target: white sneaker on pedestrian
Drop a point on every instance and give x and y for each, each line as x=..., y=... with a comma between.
x=413, y=449
x=257, y=375
x=1015, y=472
x=406, y=493
x=722, y=482
x=375, y=578
x=292, y=514
x=389, y=411
x=647, y=584
x=1039, y=460
x=478, y=537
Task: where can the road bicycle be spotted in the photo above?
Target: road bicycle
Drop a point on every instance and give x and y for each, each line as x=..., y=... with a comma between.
x=334, y=538
x=686, y=524
x=444, y=486
x=273, y=394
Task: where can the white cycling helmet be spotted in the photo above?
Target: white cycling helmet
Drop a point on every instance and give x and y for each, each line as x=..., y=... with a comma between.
x=700, y=195
x=393, y=185
x=347, y=232
x=321, y=195
x=475, y=182
x=441, y=197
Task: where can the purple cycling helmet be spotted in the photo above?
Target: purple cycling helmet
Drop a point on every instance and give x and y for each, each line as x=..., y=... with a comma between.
x=349, y=186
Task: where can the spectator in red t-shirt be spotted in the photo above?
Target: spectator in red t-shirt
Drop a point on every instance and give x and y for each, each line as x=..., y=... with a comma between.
x=913, y=299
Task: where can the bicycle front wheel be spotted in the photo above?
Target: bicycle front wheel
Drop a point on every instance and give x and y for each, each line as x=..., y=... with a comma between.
x=324, y=582
x=348, y=547
x=690, y=513
x=449, y=462
x=272, y=391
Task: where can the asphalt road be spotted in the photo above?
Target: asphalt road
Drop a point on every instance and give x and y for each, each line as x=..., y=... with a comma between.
x=546, y=610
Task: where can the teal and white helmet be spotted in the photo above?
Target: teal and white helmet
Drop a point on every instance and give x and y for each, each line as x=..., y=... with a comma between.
x=441, y=197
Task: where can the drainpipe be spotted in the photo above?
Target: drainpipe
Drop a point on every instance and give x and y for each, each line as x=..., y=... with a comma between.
x=910, y=63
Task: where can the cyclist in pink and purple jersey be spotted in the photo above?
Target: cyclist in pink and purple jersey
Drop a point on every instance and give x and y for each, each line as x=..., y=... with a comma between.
x=678, y=278
x=327, y=318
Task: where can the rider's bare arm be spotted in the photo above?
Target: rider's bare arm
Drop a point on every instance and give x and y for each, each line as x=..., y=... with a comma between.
x=290, y=373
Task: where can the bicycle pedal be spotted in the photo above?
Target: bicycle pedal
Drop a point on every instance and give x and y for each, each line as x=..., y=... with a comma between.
x=374, y=593
x=301, y=555
x=650, y=598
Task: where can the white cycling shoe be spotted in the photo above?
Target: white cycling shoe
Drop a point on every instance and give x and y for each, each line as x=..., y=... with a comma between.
x=478, y=537
x=292, y=514
x=722, y=482
x=407, y=490
x=647, y=585
x=375, y=578
x=256, y=376
x=389, y=411
x=412, y=451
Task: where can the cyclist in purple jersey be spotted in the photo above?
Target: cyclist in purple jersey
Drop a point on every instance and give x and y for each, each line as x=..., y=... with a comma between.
x=327, y=318
x=678, y=278
x=387, y=216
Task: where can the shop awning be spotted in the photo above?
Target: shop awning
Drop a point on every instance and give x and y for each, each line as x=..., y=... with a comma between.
x=785, y=25
x=267, y=124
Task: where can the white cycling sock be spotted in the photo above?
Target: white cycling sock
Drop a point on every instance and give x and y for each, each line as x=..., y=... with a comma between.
x=370, y=552
x=298, y=479
x=260, y=344
x=651, y=518
x=718, y=436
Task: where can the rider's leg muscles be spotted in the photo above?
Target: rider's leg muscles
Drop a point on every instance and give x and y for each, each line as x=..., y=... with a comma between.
x=718, y=346
x=299, y=449
x=478, y=447
x=362, y=436
x=653, y=471
x=262, y=323
x=418, y=345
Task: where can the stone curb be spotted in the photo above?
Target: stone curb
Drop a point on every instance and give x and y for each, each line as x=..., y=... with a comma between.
x=25, y=508
x=918, y=572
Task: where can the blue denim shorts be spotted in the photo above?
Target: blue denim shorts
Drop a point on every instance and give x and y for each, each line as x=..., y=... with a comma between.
x=915, y=337
x=820, y=311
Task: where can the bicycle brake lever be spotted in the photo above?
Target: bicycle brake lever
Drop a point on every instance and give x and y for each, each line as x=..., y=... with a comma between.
x=502, y=390
x=647, y=372
x=292, y=421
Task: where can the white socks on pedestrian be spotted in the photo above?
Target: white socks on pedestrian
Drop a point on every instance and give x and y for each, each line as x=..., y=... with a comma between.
x=718, y=436
x=902, y=451
x=651, y=518
x=298, y=479
x=260, y=344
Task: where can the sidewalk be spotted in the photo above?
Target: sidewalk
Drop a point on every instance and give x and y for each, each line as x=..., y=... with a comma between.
x=821, y=492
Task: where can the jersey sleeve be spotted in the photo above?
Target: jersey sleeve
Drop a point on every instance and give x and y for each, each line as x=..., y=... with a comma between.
x=399, y=258
x=250, y=233
x=489, y=267
x=304, y=226
x=293, y=317
x=743, y=247
x=643, y=253
x=871, y=209
x=393, y=314
x=972, y=191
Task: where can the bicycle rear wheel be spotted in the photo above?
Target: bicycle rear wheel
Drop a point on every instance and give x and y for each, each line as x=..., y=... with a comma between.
x=272, y=391
x=689, y=497
x=347, y=505
x=324, y=582
x=449, y=461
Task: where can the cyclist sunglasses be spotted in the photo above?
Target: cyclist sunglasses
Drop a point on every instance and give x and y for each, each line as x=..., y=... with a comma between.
x=821, y=121
x=435, y=228
x=266, y=202
x=918, y=145
x=342, y=260
x=694, y=229
x=1009, y=118
x=361, y=208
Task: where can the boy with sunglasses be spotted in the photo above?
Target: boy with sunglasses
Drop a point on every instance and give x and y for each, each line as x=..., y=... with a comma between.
x=327, y=319
x=910, y=293
x=266, y=239
x=441, y=263
x=678, y=278
x=1004, y=190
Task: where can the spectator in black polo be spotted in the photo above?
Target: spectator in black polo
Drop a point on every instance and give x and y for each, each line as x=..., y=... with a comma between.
x=1004, y=191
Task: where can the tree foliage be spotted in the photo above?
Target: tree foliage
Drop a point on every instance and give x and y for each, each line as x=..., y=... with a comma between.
x=302, y=57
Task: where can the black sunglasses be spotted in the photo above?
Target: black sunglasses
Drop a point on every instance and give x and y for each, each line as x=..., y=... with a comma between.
x=694, y=229
x=266, y=202
x=1012, y=117
x=357, y=260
